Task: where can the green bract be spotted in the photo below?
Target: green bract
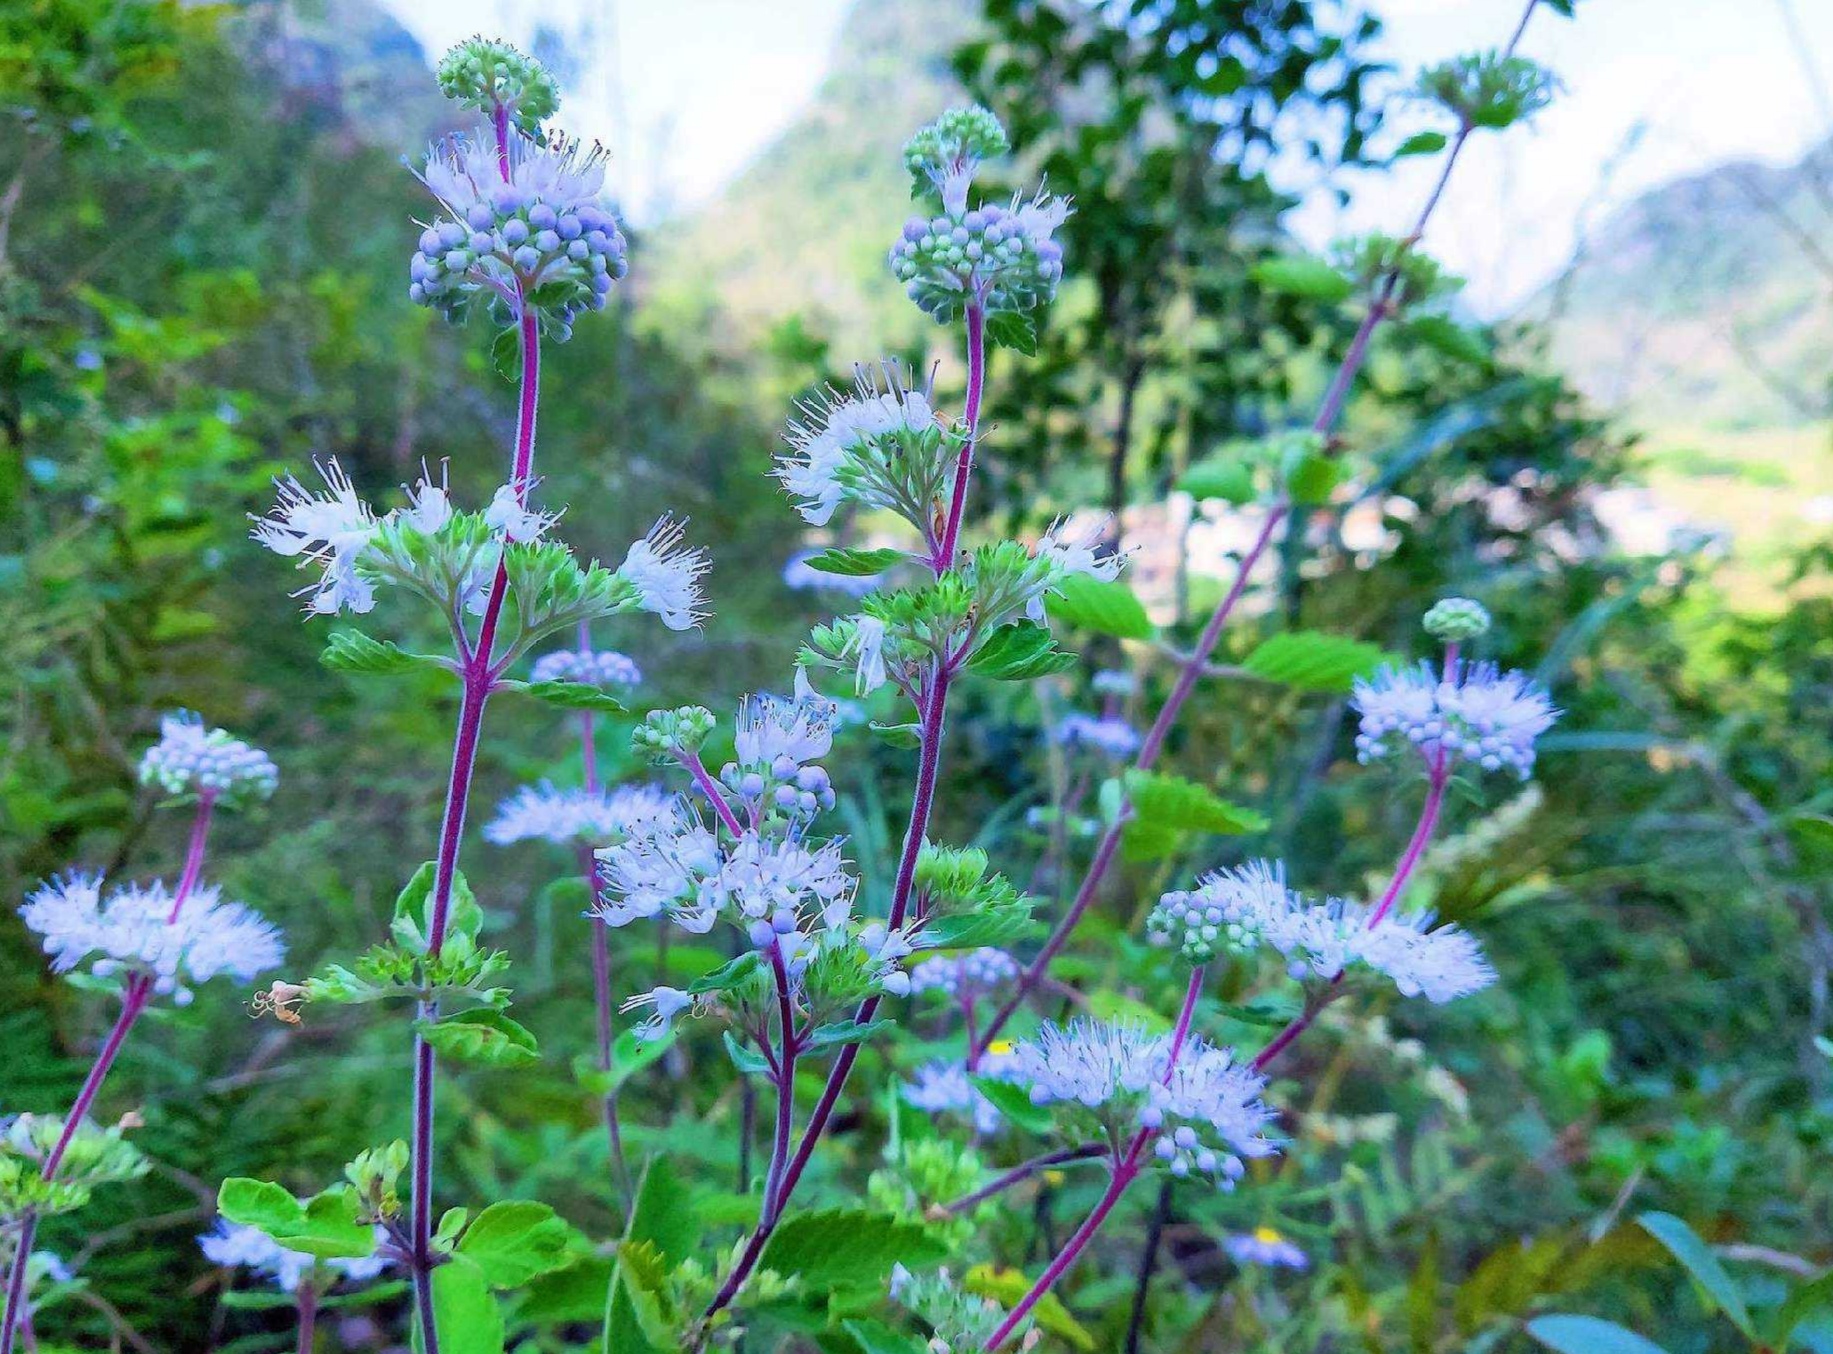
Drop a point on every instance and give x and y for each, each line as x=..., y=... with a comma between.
x=665, y=734
x=957, y=139
x=95, y=1156
x=1371, y=259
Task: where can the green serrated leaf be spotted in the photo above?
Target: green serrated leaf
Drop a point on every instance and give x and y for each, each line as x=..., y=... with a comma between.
x=569, y=695
x=575, y=1293
x=1000, y=925
x=325, y=1226
x=875, y=1337
x=855, y=563
x=848, y=1248
x=1301, y=275
x=413, y=910
x=483, y=1036
x=1109, y=608
x=1014, y=1103
x=844, y=1032
x=1019, y=652
x=1160, y=800
x=1313, y=661
x=513, y=1241
x=468, y=1317
x=1588, y=1335
x=353, y=651
x=1014, y=329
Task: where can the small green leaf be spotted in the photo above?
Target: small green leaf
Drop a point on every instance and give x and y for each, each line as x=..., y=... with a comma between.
x=506, y=353
x=1229, y=478
x=1108, y=608
x=324, y=1226
x=1446, y=336
x=1019, y=652
x=629, y=1055
x=1014, y=329
x=1161, y=800
x=482, y=1036
x=1804, y=1302
x=1702, y=1264
x=513, y=1241
x=569, y=696
x=899, y=735
x=1014, y=1103
x=1588, y=1335
x=1421, y=143
x=1001, y=925
x=847, y=1248
x=576, y=1293
x=855, y=563
x=1309, y=483
x=728, y=975
x=468, y=1318
x=1313, y=661
x=747, y=1060
x=353, y=651
x=1300, y=275
x=844, y=1032
x=1812, y=834
x=413, y=910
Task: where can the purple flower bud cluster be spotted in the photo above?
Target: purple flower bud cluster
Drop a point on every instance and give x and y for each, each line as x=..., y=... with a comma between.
x=533, y=235
x=1003, y=258
x=603, y=668
x=969, y=973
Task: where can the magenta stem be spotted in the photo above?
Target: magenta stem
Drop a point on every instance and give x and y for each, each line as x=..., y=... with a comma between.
x=785, y=1090
x=194, y=853
x=1330, y=409
x=306, y=1300
x=964, y=464
x=134, y=997
x=1126, y=1170
x=932, y=709
x=1422, y=834
x=479, y=676
x=710, y=788
x=499, y=119
x=1022, y=1172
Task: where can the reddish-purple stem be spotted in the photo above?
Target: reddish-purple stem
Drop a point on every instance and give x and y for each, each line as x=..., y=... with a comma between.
x=785, y=1089
x=1126, y=1170
x=135, y=994
x=933, y=707
x=1022, y=1172
x=1330, y=409
x=710, y=788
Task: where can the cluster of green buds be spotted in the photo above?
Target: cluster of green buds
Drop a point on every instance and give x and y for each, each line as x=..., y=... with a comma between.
x=1456, y=620
x=960, y=1322
x=999, y=259
x=1487, y=89
x=94, y=1156
x=487, y=75
x=1370, y=260
x=919, y=1176
x=374, y=1175
x=666, y=735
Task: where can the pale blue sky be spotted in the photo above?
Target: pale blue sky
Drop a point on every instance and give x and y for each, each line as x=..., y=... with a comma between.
x=686, y=91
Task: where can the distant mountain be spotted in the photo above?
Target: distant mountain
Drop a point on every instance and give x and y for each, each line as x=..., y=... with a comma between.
x=806, y=226
x=1708, y=302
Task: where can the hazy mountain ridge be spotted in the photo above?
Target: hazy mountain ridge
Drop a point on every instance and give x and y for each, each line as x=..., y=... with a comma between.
x=1707, y=300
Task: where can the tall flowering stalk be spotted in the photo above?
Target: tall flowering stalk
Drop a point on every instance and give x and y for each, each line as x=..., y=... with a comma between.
x=523, y=236
x=148, y=942
x=1492, y=92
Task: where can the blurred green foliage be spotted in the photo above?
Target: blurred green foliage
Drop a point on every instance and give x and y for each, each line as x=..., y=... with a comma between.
x=202, y=275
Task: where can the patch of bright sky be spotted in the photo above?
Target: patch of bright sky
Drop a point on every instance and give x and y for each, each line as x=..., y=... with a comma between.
x=686, y=92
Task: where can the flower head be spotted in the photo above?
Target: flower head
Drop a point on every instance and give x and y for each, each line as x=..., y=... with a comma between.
x=944, y=1088
x=1113, y=738
x=966, y=974
x=1266, y=1247
x=189, y=758
x=603, y=668
x=666, y=574
x=1472, y=712
x=1230, y=910
x=516, y=522
x=484, y=74
x=784, y=733
x=523, y=217
x=656, y=868
x=1003, y=258
x=856, y=445
x=328, y=529
x=134, y=929
x=597, y=817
